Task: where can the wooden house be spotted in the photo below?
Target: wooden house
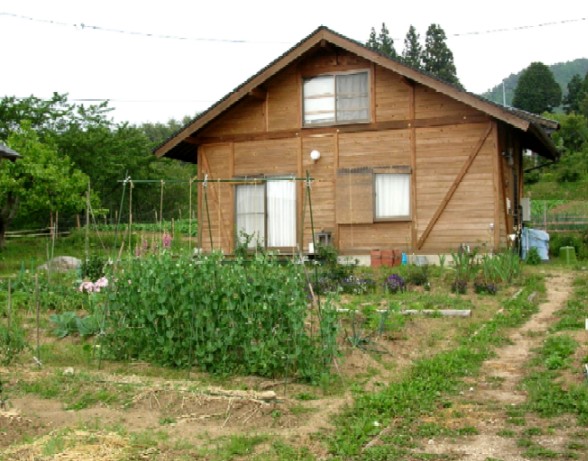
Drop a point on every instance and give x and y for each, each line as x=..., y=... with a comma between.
x=397, y=158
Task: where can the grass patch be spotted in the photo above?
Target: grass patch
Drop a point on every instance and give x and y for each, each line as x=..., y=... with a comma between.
x=77, y=391
x=420, y=389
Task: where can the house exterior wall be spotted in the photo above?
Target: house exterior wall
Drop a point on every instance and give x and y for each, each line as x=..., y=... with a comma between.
x=450, y=149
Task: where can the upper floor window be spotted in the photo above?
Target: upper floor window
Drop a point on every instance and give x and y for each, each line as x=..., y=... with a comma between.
x=336, y=99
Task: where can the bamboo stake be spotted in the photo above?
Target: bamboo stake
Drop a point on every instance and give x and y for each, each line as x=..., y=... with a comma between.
x=130, y=216
x=38, y=308
x=87, y=236
x=161, y=206
x=9, y=313
x=190, y=214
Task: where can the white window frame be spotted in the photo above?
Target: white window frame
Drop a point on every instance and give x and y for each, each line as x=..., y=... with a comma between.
x=392, y=197
x=323, y=104
x=276, y=205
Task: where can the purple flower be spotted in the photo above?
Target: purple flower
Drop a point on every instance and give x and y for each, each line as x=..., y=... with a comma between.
x=395, y=283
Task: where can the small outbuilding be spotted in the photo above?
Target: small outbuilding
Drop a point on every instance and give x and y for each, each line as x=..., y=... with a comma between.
x=7, y=152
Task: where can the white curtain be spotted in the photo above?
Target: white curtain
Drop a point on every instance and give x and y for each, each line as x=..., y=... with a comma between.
x=392, y=195
x=352, y=97
x=281, y=213
x=250, y=213
x=319, y=100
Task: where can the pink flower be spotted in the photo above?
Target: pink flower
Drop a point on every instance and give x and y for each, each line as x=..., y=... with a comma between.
x=86, y=286
x=166, y=240
x=102, y=282
x=89, y=287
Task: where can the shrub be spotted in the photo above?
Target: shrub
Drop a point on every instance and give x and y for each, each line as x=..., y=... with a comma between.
x=533, y=257
x=93, y=267
x=357, y=285
x=12, y=342
x=459, y=286
x=576, y=240
x=417, y=275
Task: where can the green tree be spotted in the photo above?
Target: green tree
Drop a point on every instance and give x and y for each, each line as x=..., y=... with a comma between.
x=537, y=91
x=437, y=58
x=105, y=151
x=40, y=183
x=386, y=42
x=575, y=94
x=572, y=135
x=373, y=40
x=382, y=42
x=412, y=52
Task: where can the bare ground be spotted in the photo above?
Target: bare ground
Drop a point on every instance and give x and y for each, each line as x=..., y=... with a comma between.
x=497, y=389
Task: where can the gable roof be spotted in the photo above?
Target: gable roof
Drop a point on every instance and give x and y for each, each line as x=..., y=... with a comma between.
x=7, y=152
x=535, y=128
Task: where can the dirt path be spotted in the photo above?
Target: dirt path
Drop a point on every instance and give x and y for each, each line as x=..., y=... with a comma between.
x=497, y=389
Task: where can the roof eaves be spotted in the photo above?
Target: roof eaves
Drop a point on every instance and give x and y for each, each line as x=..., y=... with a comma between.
x=514, y=117
x=239, y=92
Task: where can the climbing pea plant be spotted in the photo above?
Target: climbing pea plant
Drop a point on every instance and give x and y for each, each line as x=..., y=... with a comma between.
x=242, y=316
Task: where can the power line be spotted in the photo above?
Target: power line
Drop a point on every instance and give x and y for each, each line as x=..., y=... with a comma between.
x=83, y=26
x=515, y=28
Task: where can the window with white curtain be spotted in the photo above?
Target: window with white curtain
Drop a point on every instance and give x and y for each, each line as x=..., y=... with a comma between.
x=266, y=213
x=392, y=196
x=337, y=98
x=250, y=214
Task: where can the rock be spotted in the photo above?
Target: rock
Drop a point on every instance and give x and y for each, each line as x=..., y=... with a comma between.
x=69, y=371
x=62, y=264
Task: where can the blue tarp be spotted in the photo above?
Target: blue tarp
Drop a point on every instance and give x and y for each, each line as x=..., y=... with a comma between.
x=535, y=238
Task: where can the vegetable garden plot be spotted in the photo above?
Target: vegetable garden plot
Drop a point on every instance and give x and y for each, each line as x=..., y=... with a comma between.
x=221, y=318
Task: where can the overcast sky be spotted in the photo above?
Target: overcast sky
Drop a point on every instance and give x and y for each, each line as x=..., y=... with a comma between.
x=156, y=60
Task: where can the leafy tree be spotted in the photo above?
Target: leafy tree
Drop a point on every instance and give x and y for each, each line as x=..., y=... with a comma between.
x=412, y=53
x=382, y=42
x=40, y=183
x=572, y=135
x=537, y=90
x=159, y=132
x=576, y=93
x=48, y=116
x=437, y=58
x=105, y=151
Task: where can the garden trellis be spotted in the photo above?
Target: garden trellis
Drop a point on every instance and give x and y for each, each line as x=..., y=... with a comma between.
x=205, y=230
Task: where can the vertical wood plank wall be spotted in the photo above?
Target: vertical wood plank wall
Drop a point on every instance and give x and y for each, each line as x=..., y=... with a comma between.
x=428, y=132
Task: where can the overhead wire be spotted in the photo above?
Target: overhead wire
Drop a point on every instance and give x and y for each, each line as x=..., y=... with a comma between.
x=84, y=26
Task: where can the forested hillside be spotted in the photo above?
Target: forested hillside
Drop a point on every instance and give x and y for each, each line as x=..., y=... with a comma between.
x=562, y=72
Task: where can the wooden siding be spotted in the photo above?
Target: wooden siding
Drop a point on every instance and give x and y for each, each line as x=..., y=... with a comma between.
x=322, y=189
x=431, y=104
x=246, y=117
x=376, y=148
x=361, y=238
x=466, y=217
x=216, y=162
x=391, y=96
x=269, y=158
x=284, y=96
